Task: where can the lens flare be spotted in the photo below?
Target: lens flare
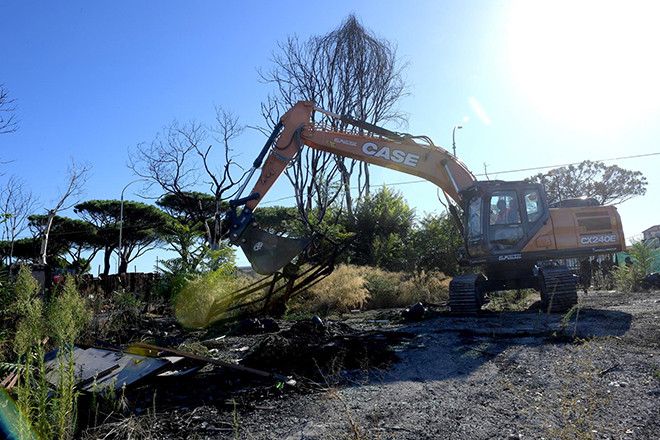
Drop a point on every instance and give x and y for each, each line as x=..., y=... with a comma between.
x=13, y=424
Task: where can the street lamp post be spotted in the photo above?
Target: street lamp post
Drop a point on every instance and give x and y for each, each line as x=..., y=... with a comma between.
x=121, y=220
x=453, y=137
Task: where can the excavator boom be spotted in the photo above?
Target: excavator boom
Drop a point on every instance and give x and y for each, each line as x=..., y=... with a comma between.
x=370, y=144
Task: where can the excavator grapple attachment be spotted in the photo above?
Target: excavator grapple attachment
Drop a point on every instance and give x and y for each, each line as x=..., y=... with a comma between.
x=268, y=253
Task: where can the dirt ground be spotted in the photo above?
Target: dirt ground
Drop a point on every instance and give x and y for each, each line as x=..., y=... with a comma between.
x=500, y=375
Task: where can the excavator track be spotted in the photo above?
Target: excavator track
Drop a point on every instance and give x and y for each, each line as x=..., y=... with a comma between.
x=558, y=288
x=466, y=294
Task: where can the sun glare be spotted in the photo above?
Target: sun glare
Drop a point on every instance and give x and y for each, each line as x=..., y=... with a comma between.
x=587, y=63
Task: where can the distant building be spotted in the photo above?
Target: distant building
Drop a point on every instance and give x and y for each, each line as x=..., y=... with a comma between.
x=652, y=233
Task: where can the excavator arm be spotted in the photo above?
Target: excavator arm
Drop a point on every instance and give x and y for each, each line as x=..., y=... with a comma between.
x=347, y=137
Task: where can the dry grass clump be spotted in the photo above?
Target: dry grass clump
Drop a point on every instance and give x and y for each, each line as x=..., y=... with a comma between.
x=360, y=287
x=343, y=290
x=401, y=289
x=518, y=300
x=426, y=287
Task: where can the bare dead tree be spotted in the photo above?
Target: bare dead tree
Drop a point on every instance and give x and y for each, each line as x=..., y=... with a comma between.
x=8, y=121
x=17, y=203
x=181, y=159
x=348, y=71
x=77, y=176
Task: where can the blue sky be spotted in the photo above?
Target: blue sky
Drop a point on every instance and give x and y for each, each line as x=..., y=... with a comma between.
x=533, y=84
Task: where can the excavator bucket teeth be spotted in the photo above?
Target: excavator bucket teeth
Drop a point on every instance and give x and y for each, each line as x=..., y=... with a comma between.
x=268, y=253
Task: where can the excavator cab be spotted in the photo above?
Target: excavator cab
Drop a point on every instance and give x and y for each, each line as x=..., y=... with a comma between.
x=500, y=218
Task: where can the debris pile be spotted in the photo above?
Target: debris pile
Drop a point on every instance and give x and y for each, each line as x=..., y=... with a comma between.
x=312, y=347
x=258, y=358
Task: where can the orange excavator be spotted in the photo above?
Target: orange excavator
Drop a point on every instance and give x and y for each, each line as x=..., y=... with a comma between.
x=512, y=236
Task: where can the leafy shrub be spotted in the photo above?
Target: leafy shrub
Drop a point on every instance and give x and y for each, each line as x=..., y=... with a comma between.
x=384, y=287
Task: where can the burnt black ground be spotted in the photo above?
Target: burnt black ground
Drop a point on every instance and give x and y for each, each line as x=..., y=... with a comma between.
x=501, y=375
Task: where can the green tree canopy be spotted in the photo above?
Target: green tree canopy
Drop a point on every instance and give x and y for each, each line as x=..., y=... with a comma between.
x=383, y=228
x=139, y=229
x=436, y=242
x=24, y=249
x=279, y=219
x=191, y=207
x=72, y=243
x=607, y=184
x=193, y=217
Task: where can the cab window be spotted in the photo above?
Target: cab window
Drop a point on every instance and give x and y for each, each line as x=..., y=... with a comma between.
x=474, y=218
x=504, y=208
x=506, y=229
x=533, y=205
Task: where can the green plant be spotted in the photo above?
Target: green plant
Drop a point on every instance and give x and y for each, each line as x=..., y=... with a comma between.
x=236, y=422
x=67, y=314
x=106, y=402
x=624, y=279
x=656, y=372
x=384, y=287
x=644, y=259
x=580, y=396
x=511, y=299
x=565, y=321
x=51, y=413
